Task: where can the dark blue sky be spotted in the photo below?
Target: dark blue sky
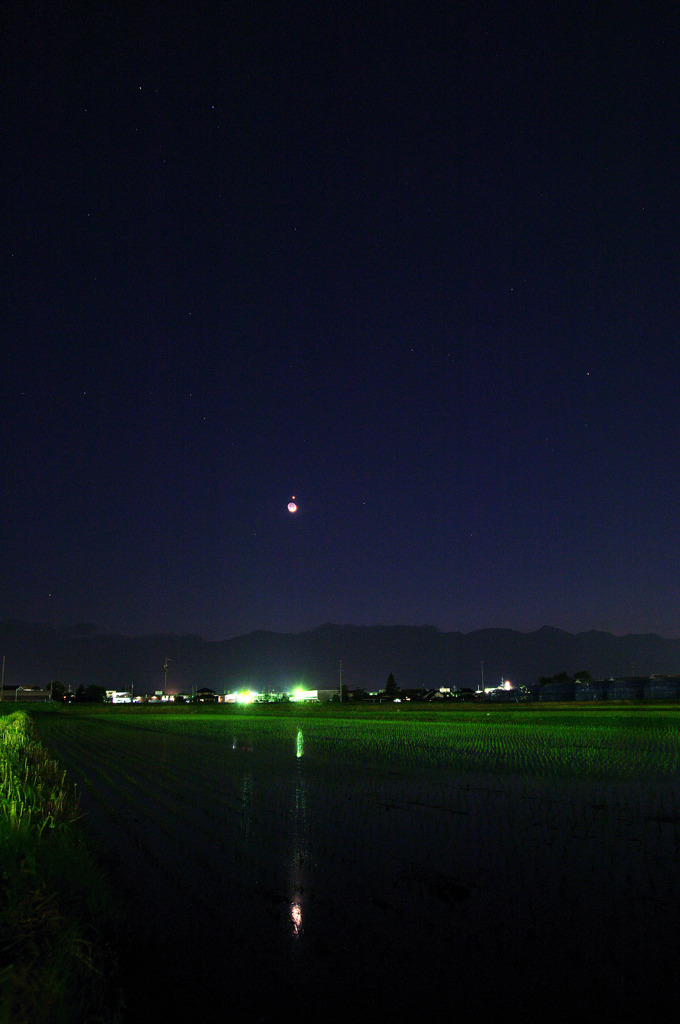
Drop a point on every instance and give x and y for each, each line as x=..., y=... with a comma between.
x=416, y=264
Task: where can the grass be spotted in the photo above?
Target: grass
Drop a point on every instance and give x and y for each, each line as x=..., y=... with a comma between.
x=57, y=922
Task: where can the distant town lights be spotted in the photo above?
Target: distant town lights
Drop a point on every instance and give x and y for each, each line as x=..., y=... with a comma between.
x=246, y=697
x=505, y=685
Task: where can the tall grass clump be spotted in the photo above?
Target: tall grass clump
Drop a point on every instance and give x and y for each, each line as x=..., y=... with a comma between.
x=57, y=918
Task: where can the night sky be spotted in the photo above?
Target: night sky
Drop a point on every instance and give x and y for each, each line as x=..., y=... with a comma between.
x=415, y=264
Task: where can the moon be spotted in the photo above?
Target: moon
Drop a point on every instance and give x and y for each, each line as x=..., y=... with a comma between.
x=292, y=507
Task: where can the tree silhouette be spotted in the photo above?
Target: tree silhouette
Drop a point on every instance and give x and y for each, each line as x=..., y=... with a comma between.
x=58, y=690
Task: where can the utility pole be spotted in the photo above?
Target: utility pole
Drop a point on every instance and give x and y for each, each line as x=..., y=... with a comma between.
x=165, y=670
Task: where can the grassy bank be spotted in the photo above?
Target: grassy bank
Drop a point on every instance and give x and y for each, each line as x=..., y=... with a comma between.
x=57, y=921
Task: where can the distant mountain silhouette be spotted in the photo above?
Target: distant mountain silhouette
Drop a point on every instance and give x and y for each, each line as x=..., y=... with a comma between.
x=417, y=655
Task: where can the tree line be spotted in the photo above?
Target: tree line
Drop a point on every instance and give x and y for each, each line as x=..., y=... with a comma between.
x=564, y=677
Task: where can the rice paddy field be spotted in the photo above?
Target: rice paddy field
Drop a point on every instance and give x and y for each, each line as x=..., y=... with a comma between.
x=382, y=861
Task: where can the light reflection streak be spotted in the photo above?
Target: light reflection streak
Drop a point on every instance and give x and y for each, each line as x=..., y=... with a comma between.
x=300, y=841
x=245, y=815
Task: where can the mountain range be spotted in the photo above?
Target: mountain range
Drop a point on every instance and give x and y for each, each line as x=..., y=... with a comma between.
x=425, y=656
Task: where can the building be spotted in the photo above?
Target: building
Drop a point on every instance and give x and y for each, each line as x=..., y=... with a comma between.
x=25, y=693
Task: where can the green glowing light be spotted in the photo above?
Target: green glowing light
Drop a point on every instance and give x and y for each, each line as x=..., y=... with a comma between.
x=245, y=697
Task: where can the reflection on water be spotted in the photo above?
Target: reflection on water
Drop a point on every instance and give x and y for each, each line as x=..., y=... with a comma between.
x=246, y=812
x=242, y=744
x=300, y=839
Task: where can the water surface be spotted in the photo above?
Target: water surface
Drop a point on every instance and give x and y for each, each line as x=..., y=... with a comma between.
x=273, y=882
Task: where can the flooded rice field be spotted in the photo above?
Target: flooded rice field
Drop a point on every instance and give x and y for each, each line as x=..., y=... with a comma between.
x=261, y=876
